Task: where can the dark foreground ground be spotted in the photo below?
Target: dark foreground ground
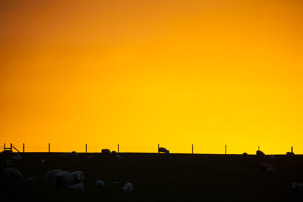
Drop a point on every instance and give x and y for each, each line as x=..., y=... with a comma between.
x=159, y=178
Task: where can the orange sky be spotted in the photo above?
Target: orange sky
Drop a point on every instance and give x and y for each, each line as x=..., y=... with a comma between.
x=139, y=73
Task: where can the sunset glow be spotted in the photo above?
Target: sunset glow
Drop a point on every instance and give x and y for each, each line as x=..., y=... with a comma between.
x=143, y=72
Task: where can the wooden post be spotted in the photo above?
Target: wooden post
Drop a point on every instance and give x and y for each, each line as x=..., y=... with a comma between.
x=23, y=147
x=192, y=148
x=225, y=149
x=118, y=149
x=11, y=146
x=292, y=149
x=4, y=146
x=85, y=148
x=158, y=148
x=48, y=147
x=258, y=148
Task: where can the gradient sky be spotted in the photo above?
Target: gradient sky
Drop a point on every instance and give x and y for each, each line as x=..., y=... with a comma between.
x=143, y=72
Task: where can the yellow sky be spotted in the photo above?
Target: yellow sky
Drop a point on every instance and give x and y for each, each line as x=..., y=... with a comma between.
x=139, y=73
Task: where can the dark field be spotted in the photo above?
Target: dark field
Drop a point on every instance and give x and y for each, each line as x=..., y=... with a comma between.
x=174, y=177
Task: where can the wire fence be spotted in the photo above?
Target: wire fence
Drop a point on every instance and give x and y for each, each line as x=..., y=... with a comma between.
x=85, y=148
x=93, y=148
x=36, y=149
x=25, y=148
x=88, y=148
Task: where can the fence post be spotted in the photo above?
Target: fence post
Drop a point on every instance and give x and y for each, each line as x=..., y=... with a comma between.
x=292, y=149
x=192, y=148
x=11, y=146
x=258, y=148
x=48, y=147
x=23, y=147
x=158, y=148
x=85, y=148
x=4, y=146
x=225, y=149
x=118, y=149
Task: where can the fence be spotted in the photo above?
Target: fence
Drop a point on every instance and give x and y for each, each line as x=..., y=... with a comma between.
x=86, y=148
x=25, y=148
x=33, y=148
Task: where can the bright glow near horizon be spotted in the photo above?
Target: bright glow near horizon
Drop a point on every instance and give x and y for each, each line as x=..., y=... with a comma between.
x=139, y=73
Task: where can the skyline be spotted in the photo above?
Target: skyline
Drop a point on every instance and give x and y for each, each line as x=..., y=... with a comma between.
x=96, y=149
x=142, y=73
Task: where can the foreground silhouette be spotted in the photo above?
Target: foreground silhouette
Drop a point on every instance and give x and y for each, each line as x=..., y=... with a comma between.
x=157, y=177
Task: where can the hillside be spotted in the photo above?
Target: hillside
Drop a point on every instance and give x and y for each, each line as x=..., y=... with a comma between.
x=157, y=178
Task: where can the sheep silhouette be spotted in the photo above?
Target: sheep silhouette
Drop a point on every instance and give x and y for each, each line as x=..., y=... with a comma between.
x=163, y=150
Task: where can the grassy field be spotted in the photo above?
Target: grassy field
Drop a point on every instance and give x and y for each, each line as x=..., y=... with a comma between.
x=174, y=177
